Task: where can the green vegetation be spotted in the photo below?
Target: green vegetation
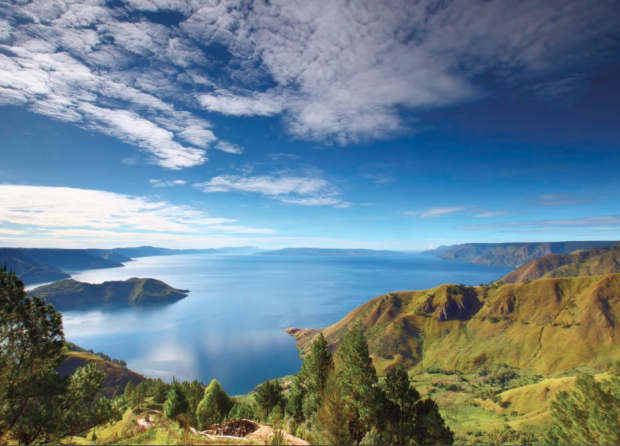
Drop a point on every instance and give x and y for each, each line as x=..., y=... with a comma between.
x=595, y=262
x=37, y=404
x=546, y=326
x=69, y=293
x=214, y=407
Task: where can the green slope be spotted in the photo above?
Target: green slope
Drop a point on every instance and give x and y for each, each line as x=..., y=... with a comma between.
x=547, y=325
x=594, y=262
x=67, y=293
x=28, y=269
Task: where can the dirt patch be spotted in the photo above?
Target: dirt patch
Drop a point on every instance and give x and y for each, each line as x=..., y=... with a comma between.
x=264, y=433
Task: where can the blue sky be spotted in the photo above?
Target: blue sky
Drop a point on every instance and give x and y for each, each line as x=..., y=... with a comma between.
x=392, y=124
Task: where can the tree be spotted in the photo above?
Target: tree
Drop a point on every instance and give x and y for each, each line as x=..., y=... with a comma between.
x=402, y=399
x=37, y=405
x=129, y=388
x=358, y=379
x=334, y=417
x=305, y=395
x=194, y=393
x=242, y=410
x=176, y=402
x=430, y=427
x=268, y=396
x=214, y=407
x=589, y=414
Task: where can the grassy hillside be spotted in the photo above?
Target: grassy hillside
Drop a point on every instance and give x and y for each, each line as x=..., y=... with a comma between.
x=109, y=254
x=69, y=259
x=513, y=254
x=116, y=377
x=547, y=325
x=28, y=269
x=594, y=262
x=67, y=293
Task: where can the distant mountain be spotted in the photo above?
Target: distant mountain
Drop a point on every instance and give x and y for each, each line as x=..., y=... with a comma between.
x=69, y=259
x=439, y=250
x=70, y=293
x=109, y=254
x=593, y=262
x=513, y=254
x=329, y=252
x=29, y=270
x=547, y=325
x=150, y=251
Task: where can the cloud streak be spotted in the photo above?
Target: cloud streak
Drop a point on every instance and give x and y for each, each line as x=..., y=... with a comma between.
x=100, y=68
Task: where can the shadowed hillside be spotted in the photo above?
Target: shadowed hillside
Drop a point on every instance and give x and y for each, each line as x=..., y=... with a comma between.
x=546, y=325
x=66, y=293
x=70, y=259
x=28, y=269
x=116, y=377
x=511, y=254
x=594, y=262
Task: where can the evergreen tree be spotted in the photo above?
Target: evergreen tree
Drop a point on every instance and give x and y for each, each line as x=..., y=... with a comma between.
x=37, y=405
x=268, y=396
x=243, y=410
x=589, y=414
x=129, y=388
x=176, y=402
x=160, y=391
x=430, y=427
x=194, y=393
x=358, y=380
x=401, y=410
x=214, y=407
x=305, y=395
x=334, y=417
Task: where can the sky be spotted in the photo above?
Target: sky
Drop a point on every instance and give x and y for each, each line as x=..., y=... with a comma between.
x=392, y=124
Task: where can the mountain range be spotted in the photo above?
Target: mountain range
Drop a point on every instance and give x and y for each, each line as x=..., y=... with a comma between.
x=329, y=252
x=510, y=254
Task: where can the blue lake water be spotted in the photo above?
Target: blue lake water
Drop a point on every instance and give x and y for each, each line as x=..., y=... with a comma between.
x=231, y=326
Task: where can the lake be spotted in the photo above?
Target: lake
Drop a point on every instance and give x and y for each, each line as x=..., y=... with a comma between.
x=231, y=326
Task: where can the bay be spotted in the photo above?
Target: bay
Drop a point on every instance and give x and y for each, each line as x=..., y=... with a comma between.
x=231, y=326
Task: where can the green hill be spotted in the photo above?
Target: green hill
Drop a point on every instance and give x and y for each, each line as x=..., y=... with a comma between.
x=594, y=262
x=28, y=269
x=116, y=377
x=109, y=254
x=547, y=325
x=512, y=254
x=68, y=293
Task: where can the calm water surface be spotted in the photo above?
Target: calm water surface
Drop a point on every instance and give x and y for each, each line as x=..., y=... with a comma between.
x=231, y=326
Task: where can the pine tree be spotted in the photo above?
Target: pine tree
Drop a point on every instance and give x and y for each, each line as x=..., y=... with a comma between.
x=176, y=403
x=334, y=417
x=589, y=414
x=214, y=407
x=430, y=427
x=358, y=380
x=268, y=396
x=305, y=395
x=402, y=399
x=129, y=388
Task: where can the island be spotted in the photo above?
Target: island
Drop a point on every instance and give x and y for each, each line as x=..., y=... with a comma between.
x=71, y=293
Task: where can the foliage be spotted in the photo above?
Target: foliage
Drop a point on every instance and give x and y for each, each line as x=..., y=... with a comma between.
x=214, y=407
x=37, y=405
x=402, y=399
x=194, y=393
x=269, y=395
x=243, y=410
x=129, y=389
x=334, y=417
x=358, y=378
x=176, y=402
x=590, y=414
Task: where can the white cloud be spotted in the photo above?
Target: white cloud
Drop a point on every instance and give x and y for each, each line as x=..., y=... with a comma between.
x=286, y=186
x=80, y=212
x=335, y=70
x=491, y=214
x=160, y=183
x=564, y=199
x=229, y=147
x=592, y=223
x=437, y=212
